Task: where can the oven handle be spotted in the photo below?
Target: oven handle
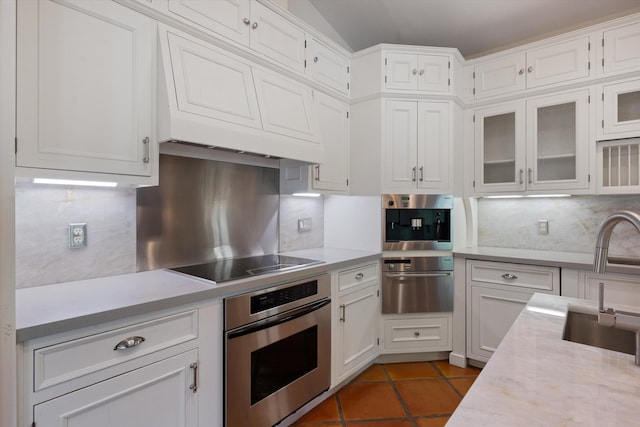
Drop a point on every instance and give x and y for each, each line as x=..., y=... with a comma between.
x=278, y=319
x=395, y=275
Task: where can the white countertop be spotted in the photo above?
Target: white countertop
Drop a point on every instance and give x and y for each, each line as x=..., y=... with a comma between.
x=45, y=310
x=537, y=379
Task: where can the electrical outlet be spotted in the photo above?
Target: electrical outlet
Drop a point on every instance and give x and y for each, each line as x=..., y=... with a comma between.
x=543, y=226
x=77, y=235
x=304, y=224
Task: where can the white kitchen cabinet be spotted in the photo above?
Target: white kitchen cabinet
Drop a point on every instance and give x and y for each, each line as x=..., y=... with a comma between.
x=620, y=51
x=497, y=292
x=333, y=118
x=157, y=395
x=620, y=290
x=417, y=146
x=86, y=89
x=618, y=166
x=355, y=320
x=416, y=333
x=423, y=73
x=249, y=23
x=546, y=150
x=558, y=63
x=619, y=110
x=326, y=66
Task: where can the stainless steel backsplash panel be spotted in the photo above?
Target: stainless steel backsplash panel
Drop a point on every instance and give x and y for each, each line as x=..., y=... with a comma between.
x=206, y=210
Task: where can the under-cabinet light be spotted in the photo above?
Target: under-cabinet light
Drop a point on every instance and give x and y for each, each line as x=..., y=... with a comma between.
x=548, y=195
x=306, y=194
x=74, y=182
x=510, y=196
x=530, y=196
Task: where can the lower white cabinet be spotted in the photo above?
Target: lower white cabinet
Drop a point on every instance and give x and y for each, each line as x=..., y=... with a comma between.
x=416, y=333
x=158, y=370
x=496, y=294
x=355, y=320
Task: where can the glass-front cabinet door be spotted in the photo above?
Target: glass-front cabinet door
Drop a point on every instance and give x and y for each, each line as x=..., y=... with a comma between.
x=619, y=110
x=500, y=148
x=558, y=142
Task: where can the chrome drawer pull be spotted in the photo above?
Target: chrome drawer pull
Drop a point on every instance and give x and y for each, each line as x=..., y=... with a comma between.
x=194, y=387
x=359, y=276
x=129, y=342
x=509, y=276
x=342, y=309
x=416, y=333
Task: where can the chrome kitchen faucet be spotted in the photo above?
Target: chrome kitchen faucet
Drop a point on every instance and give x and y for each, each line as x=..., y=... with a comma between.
x=610, y=317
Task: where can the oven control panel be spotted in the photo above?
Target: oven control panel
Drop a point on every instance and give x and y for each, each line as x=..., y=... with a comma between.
x=428, y=263
x=280, y=297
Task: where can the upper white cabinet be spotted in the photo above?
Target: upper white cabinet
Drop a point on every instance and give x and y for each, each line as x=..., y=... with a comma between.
x=619, y=110
x=86, y=89
x=333, y=117
x=412, y=72
x=417, y=146
x=547, y=65
x=213, y=97
x=327, y=66
x=538, y=145
x=248, y=23
x=620, y=51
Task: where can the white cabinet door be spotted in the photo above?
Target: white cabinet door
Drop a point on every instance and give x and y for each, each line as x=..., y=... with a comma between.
x=357, y=330
x=409, y=334
x=500, y=76
x=500, y=148
x=157, y=395
x=401, y=71
x=558, y=63
x=619, y=110
x=493, y=311
x=333, y=174
x=558, y=142
x=434, y=145
x=276, y=38
x=620, y=51
x=401, y=145
x=413, y=72
x=433, y=73
x=208, y=83
x=327, y=66
x=229, y=18
x=86, y=79
x=286, y=106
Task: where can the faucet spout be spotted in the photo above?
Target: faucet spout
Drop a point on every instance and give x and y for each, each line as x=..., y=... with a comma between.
x=604, y=236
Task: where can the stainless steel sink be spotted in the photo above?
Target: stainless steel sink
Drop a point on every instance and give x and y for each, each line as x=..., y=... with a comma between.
x=584, y=329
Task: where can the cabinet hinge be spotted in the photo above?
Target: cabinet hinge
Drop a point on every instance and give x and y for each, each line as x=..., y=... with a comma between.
x=305, y=63
x=603, y=42
x=449, y=65
x=347, y=86
x=589, y=65
x=347, y=182
x=602, y=124
x=603, y=96
x=348, y=70
x=385, y=79
x=589, y=46
x=474, y=74
x=602, y=62
x=449, y=82
x=347, y=114
x=474, y=183
x=589, y=99
x=378, y=293
x=16, y=144
x=474, y=90
x=305, y=43
x=385, y=61
x=589, y=178
x=378, y=341
x=474, y=118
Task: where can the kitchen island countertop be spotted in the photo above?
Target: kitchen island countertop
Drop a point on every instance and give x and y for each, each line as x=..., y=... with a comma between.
x=50, y=309
x=537, y=379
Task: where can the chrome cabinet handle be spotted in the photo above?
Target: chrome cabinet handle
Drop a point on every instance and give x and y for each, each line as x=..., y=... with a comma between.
x=194, y=386
x=521, y=72
x=530, y=175
x=421, y=173
x=416, y=333
x=413, y=174
x=421, y=72
x=521, y=174
x=255, y=25
x=246, y=21
x=414, y=71
x=406, y=274
x=509, y=276
x=145, y=142
x=315, y=59
x=359, y=276
x=343, y=317
x=129, y=343
x=530, y=69
x=317, y=172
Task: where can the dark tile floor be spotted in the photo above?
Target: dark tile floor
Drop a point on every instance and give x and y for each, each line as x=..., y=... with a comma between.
x=416, y=394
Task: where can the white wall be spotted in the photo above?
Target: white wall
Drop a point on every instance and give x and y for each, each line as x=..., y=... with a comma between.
x=293, y=208
x=304, y=10
x=353, y=222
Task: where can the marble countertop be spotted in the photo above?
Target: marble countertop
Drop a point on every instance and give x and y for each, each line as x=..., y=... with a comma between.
x=575, y=260
x=45, y=310
x=537, y=379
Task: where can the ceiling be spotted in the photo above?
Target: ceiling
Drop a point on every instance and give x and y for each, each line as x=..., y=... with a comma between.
x=475, y=27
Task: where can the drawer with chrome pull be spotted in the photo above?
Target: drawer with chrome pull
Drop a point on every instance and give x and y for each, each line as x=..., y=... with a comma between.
x=353, y=277
x=72, y=359
x=520, y=275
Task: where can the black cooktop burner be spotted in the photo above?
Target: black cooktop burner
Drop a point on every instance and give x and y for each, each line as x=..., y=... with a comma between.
x=238, y=268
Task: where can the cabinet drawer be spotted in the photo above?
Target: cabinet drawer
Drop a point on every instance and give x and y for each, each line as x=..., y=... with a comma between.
x=421, y=334
x=524, y=276
x=72, y=359
x=350, y=278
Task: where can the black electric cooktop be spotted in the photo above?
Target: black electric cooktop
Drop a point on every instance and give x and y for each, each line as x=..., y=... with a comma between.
x=238, y=268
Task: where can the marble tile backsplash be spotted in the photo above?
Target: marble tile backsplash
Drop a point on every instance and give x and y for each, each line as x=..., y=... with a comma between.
x=293, y=208
x=573, y=223
x=43, y=214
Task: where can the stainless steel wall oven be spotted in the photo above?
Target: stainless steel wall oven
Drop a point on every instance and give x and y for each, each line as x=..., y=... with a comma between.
x=277, y=351
x=417, y=222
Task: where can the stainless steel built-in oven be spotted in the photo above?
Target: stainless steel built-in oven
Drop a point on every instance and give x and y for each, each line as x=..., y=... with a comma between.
x=417, y=284
x=417, y=222
x=277, y=351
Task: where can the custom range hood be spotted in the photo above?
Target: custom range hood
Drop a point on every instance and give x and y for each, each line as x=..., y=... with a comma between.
x=215, y=98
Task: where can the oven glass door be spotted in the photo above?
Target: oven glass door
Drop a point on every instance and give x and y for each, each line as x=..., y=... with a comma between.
x=272, y=369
